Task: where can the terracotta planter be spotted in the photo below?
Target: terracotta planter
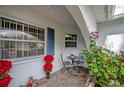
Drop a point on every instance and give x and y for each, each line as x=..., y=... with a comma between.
x=48, y=75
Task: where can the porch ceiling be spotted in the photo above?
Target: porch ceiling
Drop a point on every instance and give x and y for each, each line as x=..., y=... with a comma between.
x=56, y=12
x=100, y=12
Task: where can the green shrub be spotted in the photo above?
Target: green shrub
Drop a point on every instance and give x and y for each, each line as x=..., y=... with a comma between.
x=105, y=66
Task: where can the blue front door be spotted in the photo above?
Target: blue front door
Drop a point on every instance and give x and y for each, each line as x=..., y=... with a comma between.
x=50, y=41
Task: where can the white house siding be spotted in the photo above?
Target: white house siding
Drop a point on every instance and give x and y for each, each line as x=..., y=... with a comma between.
x=115, y=28
x=85, y=19
x=89, y=18
x=24, y=68
x=80, y=42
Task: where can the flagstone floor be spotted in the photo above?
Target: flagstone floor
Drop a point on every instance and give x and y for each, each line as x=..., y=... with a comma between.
x=60, y=79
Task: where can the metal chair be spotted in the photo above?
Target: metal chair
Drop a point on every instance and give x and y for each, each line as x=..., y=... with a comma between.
x=66, y=64
x=79, y=63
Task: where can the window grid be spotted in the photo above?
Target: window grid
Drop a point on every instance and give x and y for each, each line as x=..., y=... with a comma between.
x=20, y=46
x=70, y=40
x=39, y=32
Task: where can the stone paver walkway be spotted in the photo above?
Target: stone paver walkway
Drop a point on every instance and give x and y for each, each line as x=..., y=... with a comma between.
x=60, y=79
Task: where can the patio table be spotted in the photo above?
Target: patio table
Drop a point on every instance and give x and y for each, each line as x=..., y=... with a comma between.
x=73, y=58
x=76, y=62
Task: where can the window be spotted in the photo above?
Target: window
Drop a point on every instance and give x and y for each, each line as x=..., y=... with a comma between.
x=33, y=31
x=19, y=26
x=41, y=34
x=20, y=40
x=26, y=28
x=70, y=40
x=7, y=24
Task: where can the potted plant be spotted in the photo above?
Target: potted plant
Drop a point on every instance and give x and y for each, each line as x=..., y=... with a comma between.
x=48, y=65
x=5, y=78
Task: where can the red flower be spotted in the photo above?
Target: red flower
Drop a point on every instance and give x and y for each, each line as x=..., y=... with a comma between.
x=48, y=58
x=5, y=81
x=5, y=66
x=48, y=67
x=1, y=65
x=2, y=71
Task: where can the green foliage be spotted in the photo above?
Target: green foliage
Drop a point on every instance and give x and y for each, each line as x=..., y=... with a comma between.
x=108, y=69
x=1, y=76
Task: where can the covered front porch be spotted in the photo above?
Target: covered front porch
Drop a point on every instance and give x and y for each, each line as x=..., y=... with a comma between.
x=27, y=36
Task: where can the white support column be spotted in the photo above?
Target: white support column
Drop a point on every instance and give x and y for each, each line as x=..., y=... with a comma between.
x=85, y=20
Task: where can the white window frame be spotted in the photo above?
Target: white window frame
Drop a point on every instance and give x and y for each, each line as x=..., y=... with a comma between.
x=71, y=40
x=26, y=40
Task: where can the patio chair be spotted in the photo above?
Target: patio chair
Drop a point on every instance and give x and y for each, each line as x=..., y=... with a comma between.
x=66, y=64
x=79, y=63
x=79, y=60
